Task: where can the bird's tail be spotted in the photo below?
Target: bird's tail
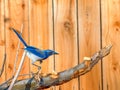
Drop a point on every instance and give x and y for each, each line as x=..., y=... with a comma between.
x=20, y=37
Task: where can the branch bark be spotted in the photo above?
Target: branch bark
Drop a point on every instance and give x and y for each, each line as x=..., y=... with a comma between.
x=51, y=79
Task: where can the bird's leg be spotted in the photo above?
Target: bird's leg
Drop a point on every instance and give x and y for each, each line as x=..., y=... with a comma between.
x=41, y=61
x=37, y=75
x=39, y=67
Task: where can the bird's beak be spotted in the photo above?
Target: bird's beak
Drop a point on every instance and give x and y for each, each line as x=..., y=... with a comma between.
x=56, y=53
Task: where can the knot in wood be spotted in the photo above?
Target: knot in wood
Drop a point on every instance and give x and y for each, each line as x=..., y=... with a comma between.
x=6, y=19
x=13, y=46
x=10, y=66
x=23, y=6
x=117, y=26
x=67, y=25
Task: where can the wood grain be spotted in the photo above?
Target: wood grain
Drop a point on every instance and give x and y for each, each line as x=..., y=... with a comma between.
x=89, y=41
x=65, y=36
x=111, y=34
x=14, y=17
x=25, y=34
x=41, y=30
x=63, y=25
x=2, y=39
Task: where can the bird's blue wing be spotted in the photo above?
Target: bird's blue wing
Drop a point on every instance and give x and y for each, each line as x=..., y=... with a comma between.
x=35, y=51
x=20, y=37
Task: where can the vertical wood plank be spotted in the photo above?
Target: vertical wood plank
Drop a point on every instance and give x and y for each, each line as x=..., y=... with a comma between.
x=2, y=39
x=65, y=31
x=111, y=34
x=25, y=10
x=41, y=30
x=14, y=17
x=89, y=41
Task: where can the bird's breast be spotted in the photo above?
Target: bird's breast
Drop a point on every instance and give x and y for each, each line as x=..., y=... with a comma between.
x=33, y=57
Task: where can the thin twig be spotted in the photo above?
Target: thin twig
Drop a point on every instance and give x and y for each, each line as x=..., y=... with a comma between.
x=16, y=58
x=3, y=64
x=18, y=71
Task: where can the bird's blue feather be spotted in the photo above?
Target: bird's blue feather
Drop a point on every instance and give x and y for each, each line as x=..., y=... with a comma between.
x=20, y=37
x=35, y=51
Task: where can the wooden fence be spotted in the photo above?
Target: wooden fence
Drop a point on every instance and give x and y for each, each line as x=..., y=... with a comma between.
x=74, y=28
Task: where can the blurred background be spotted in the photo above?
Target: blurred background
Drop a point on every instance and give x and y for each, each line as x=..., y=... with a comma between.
x=74, y=28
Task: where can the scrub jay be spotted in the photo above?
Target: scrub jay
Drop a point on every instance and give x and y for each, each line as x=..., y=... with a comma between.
x=34, y=53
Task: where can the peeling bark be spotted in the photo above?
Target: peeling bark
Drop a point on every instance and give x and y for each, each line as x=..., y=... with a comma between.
x=51, y=79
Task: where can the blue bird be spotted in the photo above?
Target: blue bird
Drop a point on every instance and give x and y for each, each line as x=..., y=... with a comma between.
x=34, y=53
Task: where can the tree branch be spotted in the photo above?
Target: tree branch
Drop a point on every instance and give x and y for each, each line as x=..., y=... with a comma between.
x=51, y=79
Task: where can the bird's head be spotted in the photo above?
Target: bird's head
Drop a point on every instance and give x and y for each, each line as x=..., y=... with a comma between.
x=50, y=52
